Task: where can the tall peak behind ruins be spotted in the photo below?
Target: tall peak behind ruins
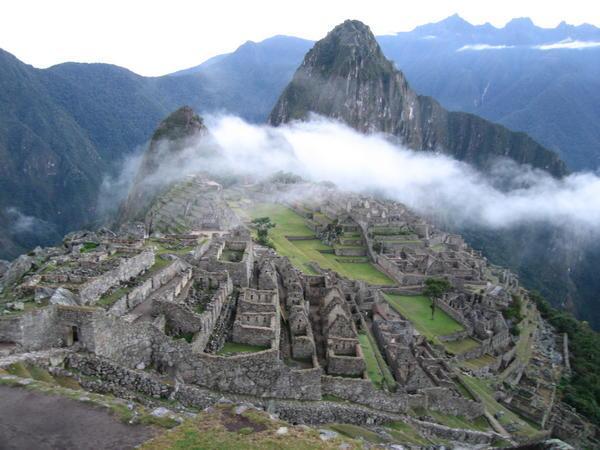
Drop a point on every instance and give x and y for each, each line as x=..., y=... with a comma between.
x=345, y=76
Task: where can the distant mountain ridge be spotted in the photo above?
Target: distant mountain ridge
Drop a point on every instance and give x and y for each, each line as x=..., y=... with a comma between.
x=346, y=76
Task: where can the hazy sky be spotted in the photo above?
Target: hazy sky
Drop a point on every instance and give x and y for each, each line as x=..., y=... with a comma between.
x=157, y=37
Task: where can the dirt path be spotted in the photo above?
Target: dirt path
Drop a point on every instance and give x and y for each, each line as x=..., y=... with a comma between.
x=32, y=420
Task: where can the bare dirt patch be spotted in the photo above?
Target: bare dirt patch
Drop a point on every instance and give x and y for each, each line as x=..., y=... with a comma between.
x=32, y=420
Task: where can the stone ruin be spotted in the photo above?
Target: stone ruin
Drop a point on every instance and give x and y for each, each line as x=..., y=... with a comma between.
x=160, y=309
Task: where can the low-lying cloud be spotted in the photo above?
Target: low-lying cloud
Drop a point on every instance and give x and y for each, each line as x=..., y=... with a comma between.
x=566, y=44
x=569, y=44
x=479, y=47
x=429, y=183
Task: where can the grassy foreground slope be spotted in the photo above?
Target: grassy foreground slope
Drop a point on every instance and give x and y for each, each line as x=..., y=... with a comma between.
x=224, y=427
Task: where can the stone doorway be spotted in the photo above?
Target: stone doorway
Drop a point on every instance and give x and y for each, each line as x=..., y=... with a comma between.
x=72, y=335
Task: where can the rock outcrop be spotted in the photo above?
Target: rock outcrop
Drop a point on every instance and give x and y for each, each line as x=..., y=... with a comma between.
x=345, y=76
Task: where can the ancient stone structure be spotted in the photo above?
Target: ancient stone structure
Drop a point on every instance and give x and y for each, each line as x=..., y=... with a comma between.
x=195, y=315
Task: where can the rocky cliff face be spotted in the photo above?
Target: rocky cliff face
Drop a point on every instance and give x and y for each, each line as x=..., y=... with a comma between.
x=173, y=136
x=346, y=76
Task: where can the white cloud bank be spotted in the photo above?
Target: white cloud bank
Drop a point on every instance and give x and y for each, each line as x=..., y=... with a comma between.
x=322, y=150
x=569, y=44
x=480, y=47
x=566, y=44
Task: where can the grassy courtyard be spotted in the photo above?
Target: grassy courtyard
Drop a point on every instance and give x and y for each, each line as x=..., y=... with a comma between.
x=416, y=308
x=301, y=253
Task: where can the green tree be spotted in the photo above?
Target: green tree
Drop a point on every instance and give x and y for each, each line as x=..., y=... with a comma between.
x=434, y=289
x=263, y=225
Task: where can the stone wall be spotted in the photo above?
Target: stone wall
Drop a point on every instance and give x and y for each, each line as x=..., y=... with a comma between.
x=39, y=329
x=455, y=315
x=303, y=347
x=115, y=375
x=404, y=279
x=260, y=374
x=240, y=272
x=128, y=269
x=363, y=392
x=211, y=315
x=345, y=365
x=445, y=401
x=10, y=329
x=435, y=430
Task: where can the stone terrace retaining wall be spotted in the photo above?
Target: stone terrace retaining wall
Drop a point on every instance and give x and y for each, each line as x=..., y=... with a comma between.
x=363, y=392
x=142, y=292
x=129, y=268
x=116, y=379
x=443, y=400
x=260, y=374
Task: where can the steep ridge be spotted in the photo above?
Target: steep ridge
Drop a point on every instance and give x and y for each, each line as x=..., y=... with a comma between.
x=170, y=139
x=346, y=76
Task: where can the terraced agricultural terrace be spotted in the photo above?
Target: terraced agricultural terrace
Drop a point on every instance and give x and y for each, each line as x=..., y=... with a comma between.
x=303, y=252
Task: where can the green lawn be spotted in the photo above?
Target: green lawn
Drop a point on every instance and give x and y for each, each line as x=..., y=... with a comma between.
x=376, y=366
x=416, y=308
x=460, y=346
x=232, y=348
x=478, y=363
x=524, y=347
x=301, y=253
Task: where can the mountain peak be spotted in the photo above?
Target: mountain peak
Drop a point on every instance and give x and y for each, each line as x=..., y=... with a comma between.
x=347, y=48
x=520, y=22
x=345, y=76
x=181, y=123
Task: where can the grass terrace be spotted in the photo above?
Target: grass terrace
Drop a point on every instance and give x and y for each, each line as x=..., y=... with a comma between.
x=485, y=393
x=377, y=369
x=449, y=420
x=416, y=308
x=303, y=252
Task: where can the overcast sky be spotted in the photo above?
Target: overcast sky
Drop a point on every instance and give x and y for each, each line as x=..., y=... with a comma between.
x=158, y=37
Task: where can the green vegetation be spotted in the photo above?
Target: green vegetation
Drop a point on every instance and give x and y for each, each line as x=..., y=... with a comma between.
x=485, y=393
x=434, y=289
x=478, y=363
x=304, y=252
x=514, y=314
x=231, y=348
x=582, y=389
x=356, y=432
x=416, y=308
x=478, y=424
x=377, y=369
x=106, y=301
x=221, y=428
x=460, y=346
x=262, y=226
x=231, y=255
x=403, y=432
x=88, y=247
